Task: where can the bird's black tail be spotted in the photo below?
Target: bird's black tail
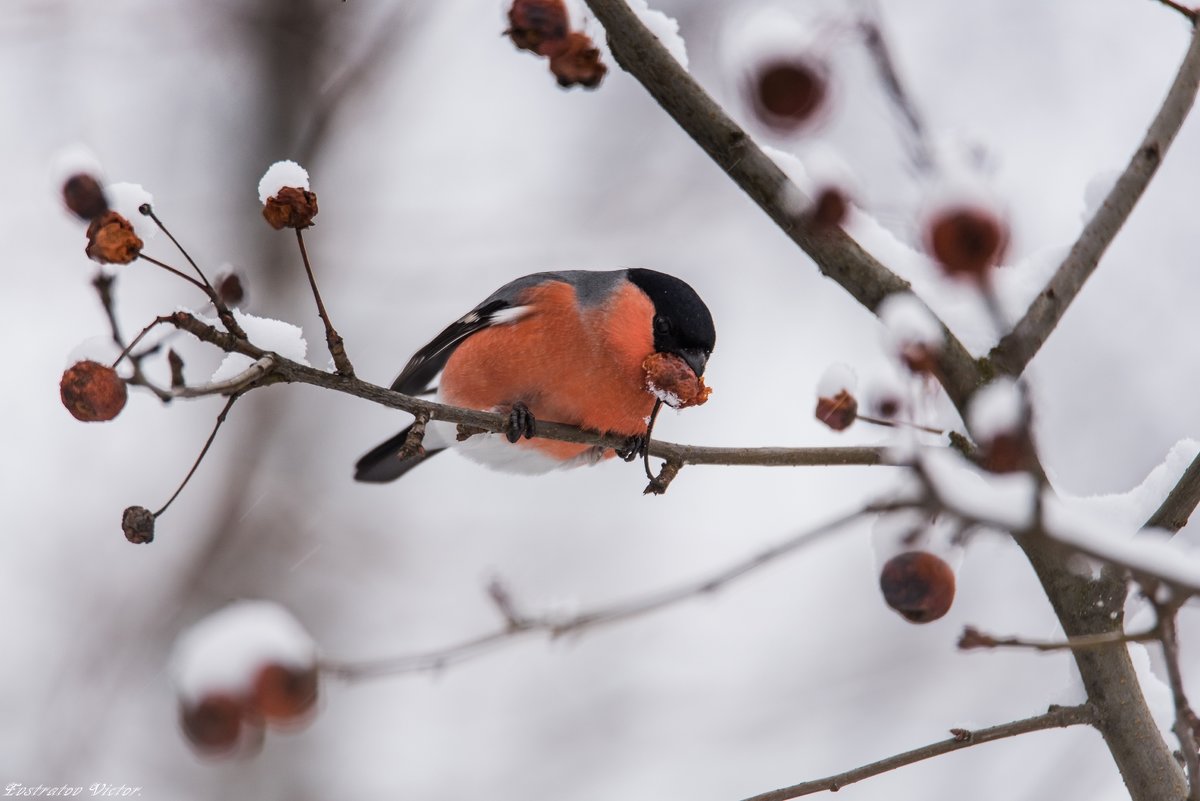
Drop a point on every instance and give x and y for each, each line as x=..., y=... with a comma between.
x=384, y=463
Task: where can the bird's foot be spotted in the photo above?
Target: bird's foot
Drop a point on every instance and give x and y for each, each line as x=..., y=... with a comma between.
x=521, y=423
x=633, y=448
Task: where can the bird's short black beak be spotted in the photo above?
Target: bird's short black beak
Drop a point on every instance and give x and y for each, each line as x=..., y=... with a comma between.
x=695, y=358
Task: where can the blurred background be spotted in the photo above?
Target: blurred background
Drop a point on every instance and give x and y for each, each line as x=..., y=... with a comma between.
x=447, y=163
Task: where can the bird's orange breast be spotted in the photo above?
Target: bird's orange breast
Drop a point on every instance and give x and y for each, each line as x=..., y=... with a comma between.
x=567, y=364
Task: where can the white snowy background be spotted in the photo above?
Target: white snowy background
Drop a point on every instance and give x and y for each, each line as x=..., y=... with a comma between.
x=449, y=167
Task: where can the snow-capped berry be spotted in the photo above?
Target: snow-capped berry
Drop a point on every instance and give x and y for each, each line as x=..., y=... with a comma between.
x=92, y=392
x=918, y=585
x=253, y=652
x=672, y=381
x=997, y=419
x=838, y=411
x=578, y=62
x=230, y=289
x=111, y=240
x=84, y=195
x=539, y=26
x=967, y=241
x=138, y=524
x=213, y=725
x=283, y=693
x=912, y=332
x=786, y=93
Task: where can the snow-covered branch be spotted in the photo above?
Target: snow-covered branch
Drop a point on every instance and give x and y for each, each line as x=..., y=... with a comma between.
x=836, y=254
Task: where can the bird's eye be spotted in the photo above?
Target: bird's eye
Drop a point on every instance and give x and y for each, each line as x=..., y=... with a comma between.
x=662, y=325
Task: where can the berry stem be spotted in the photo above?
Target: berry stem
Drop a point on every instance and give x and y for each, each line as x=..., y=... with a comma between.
x=879, y=421
x=203, y=451
x=337, y=348
x=147, y=210
x=223, y=312
x=174, y=271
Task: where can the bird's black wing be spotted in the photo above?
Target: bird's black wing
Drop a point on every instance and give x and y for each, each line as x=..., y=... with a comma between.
x=426, y=363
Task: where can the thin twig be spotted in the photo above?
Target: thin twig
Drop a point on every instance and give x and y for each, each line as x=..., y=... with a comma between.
x=148, y=211
x=1056, y=718
x=517, y=625
x=1017, y=348
x=196, y=464
x=337, y=348
x=889, y=76
x=972, y=638
x=174, y=272
x=104, y=288
x=1186, y=722
x=879, y=421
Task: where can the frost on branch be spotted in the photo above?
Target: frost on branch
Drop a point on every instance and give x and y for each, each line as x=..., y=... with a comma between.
x=664, y=28
x=244, y=665
x=271, y=335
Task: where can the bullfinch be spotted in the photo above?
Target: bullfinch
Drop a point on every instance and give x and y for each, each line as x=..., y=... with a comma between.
x=566, y=347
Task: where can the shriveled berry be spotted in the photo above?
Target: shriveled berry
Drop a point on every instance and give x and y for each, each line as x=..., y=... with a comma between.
x=111, y=240
x=578, y=62
x=230, y=289
x=839, y=411
x=538, y=25
x=918, y=585
x=671, y=380
x=138, y=524
x=967, y=241
x=214, y=724
x=787, y=93
x=83, y=195
x=290, y=207
x=92, y=392
x=284, y=693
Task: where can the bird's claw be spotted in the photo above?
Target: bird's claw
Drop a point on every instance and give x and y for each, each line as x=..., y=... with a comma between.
x=633, y=448
x=521, y=423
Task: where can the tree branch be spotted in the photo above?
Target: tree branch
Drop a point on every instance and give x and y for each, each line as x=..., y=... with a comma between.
x=836, y=254
x=1018, y=347
x=286, y=370
x=517, y=625
x=1176, y=509
x=1056, y=718
x=1189, y=13
x=972, y=638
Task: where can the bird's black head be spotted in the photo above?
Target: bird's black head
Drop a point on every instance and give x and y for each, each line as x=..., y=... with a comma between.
x=682, y=323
